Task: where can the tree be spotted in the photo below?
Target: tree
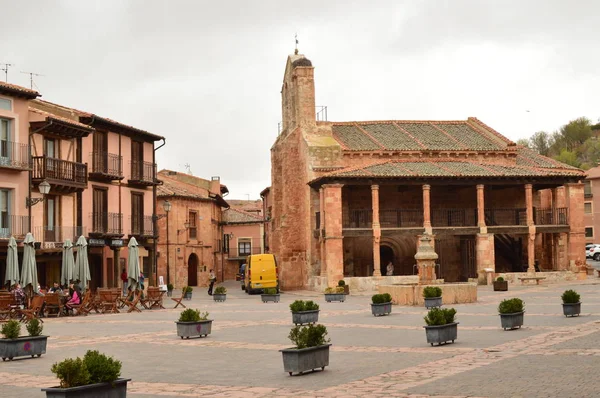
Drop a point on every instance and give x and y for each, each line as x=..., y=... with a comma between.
x=575, y=133
x=541, y=142
x=523, y=142
x=568, y=157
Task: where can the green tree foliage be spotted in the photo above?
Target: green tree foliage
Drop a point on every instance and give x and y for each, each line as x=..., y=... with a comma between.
x=541, y=142
x=523, y=142
x=568, y=157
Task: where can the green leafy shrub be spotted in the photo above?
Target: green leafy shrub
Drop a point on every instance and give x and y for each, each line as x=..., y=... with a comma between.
x=34, y=327
x=102, y=369
x=511, y=306
x=432, y=291
x=334, y=290
x=381, y=298
x=570, y=297
x=300, y=306
x=169, y=286
x=187, y=289
x=11, y=329
x=341, y=283
x=499, y=279
x=308, y=336
x=191, y=315
x=220, y=290
x=270, y=290
x=440, y=316
x=71, y=372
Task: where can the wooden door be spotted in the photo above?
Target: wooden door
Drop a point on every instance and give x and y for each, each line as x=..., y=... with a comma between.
x=100, y=210
x=137, y=158
x=100, y=156
x=50, y=219
x=137, y=213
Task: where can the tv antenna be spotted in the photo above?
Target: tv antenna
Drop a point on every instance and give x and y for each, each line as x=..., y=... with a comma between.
x=5, y=69
x=296, y=50
x=31, y=75
x=188, y=169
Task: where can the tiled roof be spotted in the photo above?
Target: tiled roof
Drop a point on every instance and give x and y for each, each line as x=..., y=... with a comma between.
x=527, y=157
x=402, y=135
x=239, y=216
x=172, y=187
x=49, y=115
x=449, y=169
x=593, y=173
x=18, y=91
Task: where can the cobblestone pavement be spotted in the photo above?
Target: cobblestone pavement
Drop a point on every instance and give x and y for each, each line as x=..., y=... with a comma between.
x=551, y=356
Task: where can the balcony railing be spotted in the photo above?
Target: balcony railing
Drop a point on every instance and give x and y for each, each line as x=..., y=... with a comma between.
x=401, y=218
x=15, y=155
x=106, y=223
x=357, y=219
x=58, y=233
x=58, y=170
x=454, y=217
x=142, y=173
x=11, y=225
x=236, y=252
x=549, y=216
x=107, y=165
x=505, y=217
x=142, y=226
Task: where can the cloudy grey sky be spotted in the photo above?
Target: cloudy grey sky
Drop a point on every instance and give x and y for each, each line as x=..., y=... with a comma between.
x=207, y=75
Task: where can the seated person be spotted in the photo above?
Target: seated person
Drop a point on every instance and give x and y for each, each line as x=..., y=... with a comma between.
x=75, y=298
x=55, y=288
x=19, y=294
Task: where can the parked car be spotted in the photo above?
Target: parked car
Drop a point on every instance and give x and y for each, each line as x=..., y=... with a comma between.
x=593, y=251
x=261, y=273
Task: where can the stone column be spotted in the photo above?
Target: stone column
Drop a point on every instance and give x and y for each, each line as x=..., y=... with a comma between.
x=376, y=230
x=531, y=225
x=427, y=209
x=321, y=231
x=576, y=240
x=481, y=209
x=559, y=200
x=426, y=257
x=484, y=256
x=334, y=248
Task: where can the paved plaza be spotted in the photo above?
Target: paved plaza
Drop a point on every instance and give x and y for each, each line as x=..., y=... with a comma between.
x=551, y=356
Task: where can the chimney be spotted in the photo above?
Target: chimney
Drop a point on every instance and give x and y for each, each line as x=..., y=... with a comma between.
x=215, y=185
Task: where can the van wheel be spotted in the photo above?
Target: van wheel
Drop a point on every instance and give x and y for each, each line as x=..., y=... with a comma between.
x=243, y=287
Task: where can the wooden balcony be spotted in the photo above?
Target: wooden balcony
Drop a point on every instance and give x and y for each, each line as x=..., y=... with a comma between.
x=142, y=174
x=14, y=155
x=12, y=225
x=106, y=225
x=106, y=166
x=64, y=176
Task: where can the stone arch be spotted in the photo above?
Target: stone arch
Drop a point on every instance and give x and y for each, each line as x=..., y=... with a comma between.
x=193, y=270
x=404, y=248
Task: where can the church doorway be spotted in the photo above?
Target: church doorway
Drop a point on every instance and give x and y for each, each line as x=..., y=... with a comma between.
x=386, y=255
x=193, y=270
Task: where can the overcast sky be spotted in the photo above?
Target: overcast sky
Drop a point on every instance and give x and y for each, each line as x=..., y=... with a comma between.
x=207, y=75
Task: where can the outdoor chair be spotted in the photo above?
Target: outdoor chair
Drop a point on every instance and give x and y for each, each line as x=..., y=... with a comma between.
x=108, y=302
x=32, y=312
x=83, y=307
x=132, y=301
x=54, y=305
x=179, y=300
x=5, y=310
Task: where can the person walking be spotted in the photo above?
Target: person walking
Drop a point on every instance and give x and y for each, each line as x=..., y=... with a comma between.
x=141, y=280
x=124, y=281
x=212, y=279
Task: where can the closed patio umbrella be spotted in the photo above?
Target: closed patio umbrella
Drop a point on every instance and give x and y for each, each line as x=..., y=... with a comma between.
x=68, y=263
x=12, y=263
x=133, y=267
x=82, y=265
x=29, y=269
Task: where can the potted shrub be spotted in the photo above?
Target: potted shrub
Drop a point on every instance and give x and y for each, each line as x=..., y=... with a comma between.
x=96, y=375
x=220, y=293
x=187, y=292
x=500, y=285
x=342, y=283
x=441, y=327
x=511, y=313
x=432, y=296
x=304, y=312
x=11, y=345
x=381, y=304
x=571, y=303
x=192, y=323
x=169, y=289
x=335, y=294
x=270, y=294
x=311, y=349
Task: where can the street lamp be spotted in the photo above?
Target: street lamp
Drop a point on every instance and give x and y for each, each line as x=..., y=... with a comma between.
x=167, y=209
x=44, y=188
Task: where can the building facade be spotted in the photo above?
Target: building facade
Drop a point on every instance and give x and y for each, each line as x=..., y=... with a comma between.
x=102, y=179
x=190, y=234
x=243, y=232
x=592, y=205
x=349, y=198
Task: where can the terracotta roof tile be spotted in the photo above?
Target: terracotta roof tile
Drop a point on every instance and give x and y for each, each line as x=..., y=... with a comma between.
x=391, y=137
x=172, y=187
x=468, y=136
x=13, y=89
x=232, y=215
x=62, y=119
x=353, y=138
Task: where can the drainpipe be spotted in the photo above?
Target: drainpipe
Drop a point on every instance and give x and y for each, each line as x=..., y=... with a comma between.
x=31, y=164
x=154, y=216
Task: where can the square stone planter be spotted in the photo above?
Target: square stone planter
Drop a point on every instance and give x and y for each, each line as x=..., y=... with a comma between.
x=330, y=297
x=512, y=321
x=433, y=302
x=572, y=309
x=441, y=334
x=187, y=296
x=23, y=347
x=301, y=360
x=381, y=309
x=269, y=297
x=500, y=286
x=116, y=389
x=219, y=297
x=194, y=329
x=302, y=317
x=346, y=289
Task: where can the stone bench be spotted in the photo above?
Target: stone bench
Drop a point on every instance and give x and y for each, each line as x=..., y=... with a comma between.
x=531, y=278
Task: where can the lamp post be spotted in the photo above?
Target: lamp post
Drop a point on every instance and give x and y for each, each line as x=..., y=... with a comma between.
x=44, y=188
x=167, y=209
